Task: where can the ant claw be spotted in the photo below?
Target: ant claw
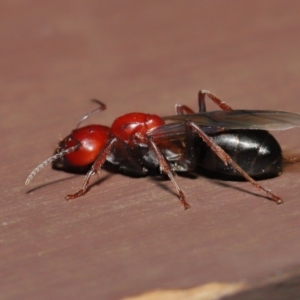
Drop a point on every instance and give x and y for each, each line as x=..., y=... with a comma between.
x=76, y=195
x=185, y=204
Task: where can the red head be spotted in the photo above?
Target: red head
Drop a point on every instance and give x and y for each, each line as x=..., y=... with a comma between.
x=92, y=139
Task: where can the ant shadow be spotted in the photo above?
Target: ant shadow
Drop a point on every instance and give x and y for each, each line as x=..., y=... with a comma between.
x=225, y=181
x=224, y=184
x=217, y=179
x=154, y=175
x=49, y=183
x=75, y=173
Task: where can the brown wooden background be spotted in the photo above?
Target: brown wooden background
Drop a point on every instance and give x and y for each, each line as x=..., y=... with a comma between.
x=130, y=236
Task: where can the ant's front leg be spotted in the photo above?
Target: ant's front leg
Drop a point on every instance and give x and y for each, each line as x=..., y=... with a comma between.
x=95, y=169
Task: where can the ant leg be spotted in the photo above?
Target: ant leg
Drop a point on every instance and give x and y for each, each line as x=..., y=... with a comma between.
x=101, y=107
x=95, y=169
x=215, y=99
x=165, y=167
x=228, y=160
x=182, y=109
x=191, y=156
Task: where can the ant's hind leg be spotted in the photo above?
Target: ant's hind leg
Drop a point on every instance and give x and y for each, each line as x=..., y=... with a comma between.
x=228, y=160
x=201, y=101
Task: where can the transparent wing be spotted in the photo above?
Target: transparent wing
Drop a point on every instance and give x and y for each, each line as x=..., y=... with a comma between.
x=237, y=119
x=242, y=119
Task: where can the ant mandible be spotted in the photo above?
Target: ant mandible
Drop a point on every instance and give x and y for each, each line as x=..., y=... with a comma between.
x=137, y=142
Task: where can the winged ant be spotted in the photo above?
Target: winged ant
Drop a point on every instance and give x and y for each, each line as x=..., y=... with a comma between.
x=234, y=143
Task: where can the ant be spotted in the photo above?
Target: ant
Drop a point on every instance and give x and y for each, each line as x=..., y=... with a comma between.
x=234, y=143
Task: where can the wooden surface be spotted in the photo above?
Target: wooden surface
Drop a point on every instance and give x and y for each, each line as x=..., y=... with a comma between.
x=130, y=236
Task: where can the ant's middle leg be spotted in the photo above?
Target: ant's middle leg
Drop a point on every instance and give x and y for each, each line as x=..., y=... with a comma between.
x=164, y=166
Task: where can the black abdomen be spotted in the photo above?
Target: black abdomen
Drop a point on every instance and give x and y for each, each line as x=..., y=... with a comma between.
x=256, y=151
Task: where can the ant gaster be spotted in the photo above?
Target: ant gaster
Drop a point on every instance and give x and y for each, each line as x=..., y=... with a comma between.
x=234, y=143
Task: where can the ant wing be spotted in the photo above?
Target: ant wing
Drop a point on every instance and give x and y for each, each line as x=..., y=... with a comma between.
x=241, y=119
x=170, y=131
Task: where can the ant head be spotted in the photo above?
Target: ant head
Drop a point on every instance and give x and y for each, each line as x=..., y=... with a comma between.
x=91, y=139
x=78, y=149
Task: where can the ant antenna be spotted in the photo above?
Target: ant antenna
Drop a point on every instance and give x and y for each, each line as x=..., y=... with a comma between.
x=49, y=161
x=101, y=107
